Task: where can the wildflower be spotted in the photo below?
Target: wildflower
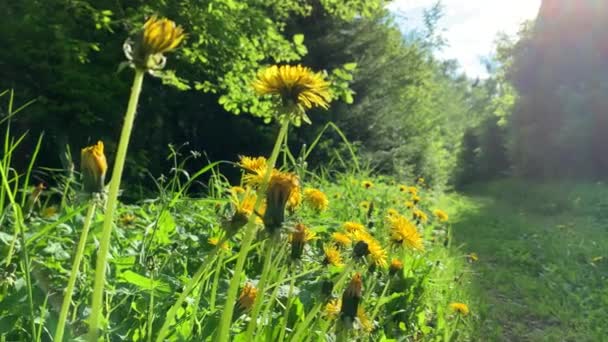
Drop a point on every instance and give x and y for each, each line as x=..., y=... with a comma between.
x=332, y=256
x=364, y=321
x=367, y=184
x=460, y=308
x=294, y=200
x=367, y=245
x=412, y=190
x=441, y=215
x=351, y=298
x=403, y=188
x=364, y=205
x=243, y=205
x=409, y=204
x=256, y=170
x=49, y=212
x=316, y=199
x=353, y=227
x=377, y=253
x=404, y=232
x=396, y=266
x=280, y=188
x=392, y=212
x=298, y=87
x=299, y=238
x=246, y=299
x=341, y=239
x=127, y=219
x=332, y=309
x=93, y=166
x=213, y=241
x=420, y=216
x=157, y=37
x=472, y=257
x=416, y=199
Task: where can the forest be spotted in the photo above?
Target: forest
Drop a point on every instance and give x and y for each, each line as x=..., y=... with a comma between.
x=300, y=170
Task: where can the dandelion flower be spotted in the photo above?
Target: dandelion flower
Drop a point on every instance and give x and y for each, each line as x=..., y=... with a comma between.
x=157, y=37
x=316, y=199
x=404, y=232
x=460, y=308
x=297, y=86
x=351, y=227
x=332, y=256
x=420, y=216
x=294, y=201
x=332, y=309
x=341, y=239
x=409, y=204
x=367, y=184
x=127, y=219
x=412, y=190
x=367, y=245
x=253, y=164
x=441, y=215
x=392, y=212
x=93, y=166
x=364, y=321
x=403, y=188
x=213, y=241
x=415, y=199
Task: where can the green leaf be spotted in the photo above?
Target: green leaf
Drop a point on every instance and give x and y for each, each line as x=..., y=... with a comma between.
x=298, y=38
x=143, y=283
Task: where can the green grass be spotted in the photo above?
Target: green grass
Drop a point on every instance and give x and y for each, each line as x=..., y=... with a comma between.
x=542, y=273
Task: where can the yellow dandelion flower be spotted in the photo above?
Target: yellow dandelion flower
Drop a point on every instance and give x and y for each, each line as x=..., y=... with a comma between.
x=352, y=227
x=295, y=199
x=392, y=212
x=256, y=169
x=412, y=190
x=403, y=188
x=332, y=309
x=415, y=199
x=367, y=184
x=404, y=232
x=368, y=245
x=409, y=204
x=377, y=253
x=127, y=219
x=364, y=321
x=341, y=239
x=213, y=241
x=49, y=212
x=420, y=216
x=296, y=85
x=364, y=205
x=332, y=256
x=460, y=308
x=316, y=199
x=157, y=37
x=441, y=215
x=472, y=257
x=93, y=166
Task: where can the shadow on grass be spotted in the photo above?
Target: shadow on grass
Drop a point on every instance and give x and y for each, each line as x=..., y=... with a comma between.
x=542, y=273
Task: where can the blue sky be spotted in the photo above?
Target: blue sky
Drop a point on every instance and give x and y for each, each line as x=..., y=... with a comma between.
x=470, y=26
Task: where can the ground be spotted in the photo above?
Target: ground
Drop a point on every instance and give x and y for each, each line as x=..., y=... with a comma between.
x=542, y=272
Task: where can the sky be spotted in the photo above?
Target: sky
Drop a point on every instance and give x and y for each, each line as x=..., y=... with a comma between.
x=470, y=26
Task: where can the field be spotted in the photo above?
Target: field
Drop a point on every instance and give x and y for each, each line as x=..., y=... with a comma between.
x=542, y=272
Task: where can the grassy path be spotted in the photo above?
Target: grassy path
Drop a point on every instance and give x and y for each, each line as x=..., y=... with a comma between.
x=542, y=273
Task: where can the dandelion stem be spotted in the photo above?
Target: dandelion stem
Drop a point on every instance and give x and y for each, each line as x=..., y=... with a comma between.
x=104, y=244
x=261, y=287
x=67, y=297
x=378, y=304
x=286, y=315
x=226, y=318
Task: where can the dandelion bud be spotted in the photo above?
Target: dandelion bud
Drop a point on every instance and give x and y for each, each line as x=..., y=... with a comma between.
x=396, y=266
x=93, y=167
x=299, y=238
x=157, y=37
x=361, y=249
x=246, y=300
x=351, y=298
x=280, y=189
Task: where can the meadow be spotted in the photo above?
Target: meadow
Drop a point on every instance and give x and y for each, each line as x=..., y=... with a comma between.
x=284, y=253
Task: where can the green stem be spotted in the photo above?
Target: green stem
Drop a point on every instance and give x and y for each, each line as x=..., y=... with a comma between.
x=104, y=245
x=261, y=287
x=286, y=315
x=226, y=319
x=377, y=307
x=150, y=307
x=216, y=281
x=164, y=330
x=67, y=298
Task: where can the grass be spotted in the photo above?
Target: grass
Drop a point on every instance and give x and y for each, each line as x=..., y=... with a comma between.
x=542, y=273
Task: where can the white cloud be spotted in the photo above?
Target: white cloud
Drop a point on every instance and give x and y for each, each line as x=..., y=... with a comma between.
x=471, y=26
